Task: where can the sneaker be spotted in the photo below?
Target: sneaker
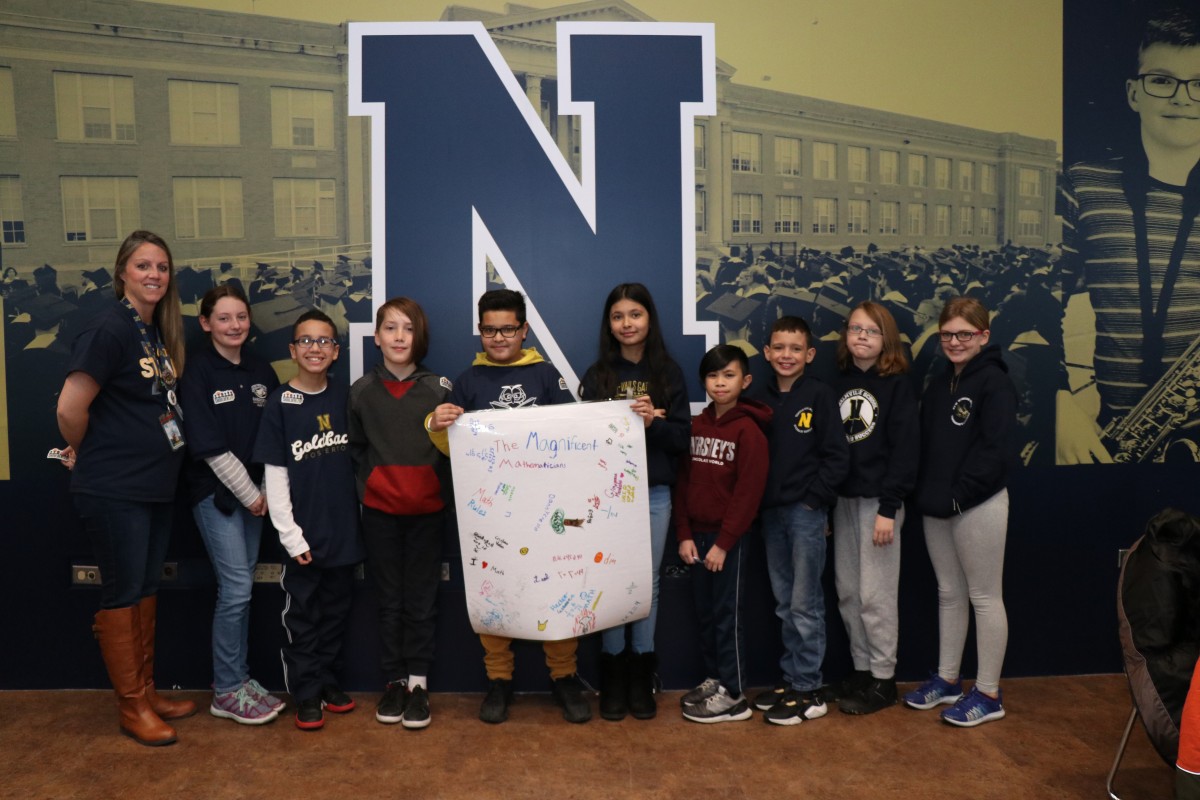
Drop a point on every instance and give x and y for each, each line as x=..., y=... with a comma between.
x=495, y=706
x=335, y=699
x=765, y=701
x=271, y=700
x=416, y=709
x=242, y=706
x=390, y=709
x=932, y=692
x=705, y=690
x=974, y=709
x=875, y=696
x=796, y=707
x=309, y=716
x=719, y=707
x=568, y=693
x=850, y=685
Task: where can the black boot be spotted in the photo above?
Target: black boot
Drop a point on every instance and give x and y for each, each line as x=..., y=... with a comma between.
x=641, y=685
x=613, y=688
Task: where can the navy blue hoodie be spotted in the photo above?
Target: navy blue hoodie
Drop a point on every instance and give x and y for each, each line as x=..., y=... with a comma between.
x=879, y=417
x=809, y=455
x=966, y=422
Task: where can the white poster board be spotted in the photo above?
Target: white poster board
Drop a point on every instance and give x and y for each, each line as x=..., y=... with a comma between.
x=554, y=518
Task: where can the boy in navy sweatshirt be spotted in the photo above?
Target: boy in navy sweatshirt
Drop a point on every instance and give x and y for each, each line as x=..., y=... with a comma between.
x=809, y=459
x=506, y=375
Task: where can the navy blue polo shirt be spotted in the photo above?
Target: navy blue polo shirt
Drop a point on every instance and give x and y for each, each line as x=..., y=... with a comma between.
x=222, y=406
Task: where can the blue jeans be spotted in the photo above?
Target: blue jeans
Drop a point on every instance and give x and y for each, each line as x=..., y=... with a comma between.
x=612, y=640
x=130, y=540
x=232, y=543
x=795, y=543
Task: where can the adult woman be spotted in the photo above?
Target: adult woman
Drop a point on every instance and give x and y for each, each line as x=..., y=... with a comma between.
x=634, y=364
x=967, y=416
x=224, y=393
x=119, y=413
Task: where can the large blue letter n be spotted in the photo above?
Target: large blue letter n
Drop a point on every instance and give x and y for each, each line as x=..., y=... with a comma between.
x=470, y=173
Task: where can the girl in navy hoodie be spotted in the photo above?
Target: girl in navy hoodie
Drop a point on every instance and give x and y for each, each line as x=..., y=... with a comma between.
x=879, y=413
x=634, y=364
x=967, y=416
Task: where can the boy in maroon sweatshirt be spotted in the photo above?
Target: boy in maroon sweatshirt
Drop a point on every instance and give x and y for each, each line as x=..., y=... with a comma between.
x=715, y=501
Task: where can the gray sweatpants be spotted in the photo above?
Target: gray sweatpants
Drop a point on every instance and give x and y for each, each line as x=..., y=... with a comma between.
x=868, y=581
x=967, y=552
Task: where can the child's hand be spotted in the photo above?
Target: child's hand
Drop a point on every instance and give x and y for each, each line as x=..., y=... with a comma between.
x=304, y=558
x=443, y=416
x=644, y=408
x=259, y=507
x=715, y=560
x=687, y=551
x=884, y=531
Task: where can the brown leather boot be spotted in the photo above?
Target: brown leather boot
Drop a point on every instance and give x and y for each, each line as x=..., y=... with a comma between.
x=121, y=646
x=167, y=709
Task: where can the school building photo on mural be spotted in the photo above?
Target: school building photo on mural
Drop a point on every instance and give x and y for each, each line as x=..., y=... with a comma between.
x=331, y=157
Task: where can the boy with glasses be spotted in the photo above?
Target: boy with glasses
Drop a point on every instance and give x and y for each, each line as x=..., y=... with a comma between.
x=507, y=375
x=303, y=443
x=1129, y=237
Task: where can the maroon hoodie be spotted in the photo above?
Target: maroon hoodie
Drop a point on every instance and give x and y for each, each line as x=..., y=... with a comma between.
x=721, y=483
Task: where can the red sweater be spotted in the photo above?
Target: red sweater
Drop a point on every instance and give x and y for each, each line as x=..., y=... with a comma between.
x=721, y=484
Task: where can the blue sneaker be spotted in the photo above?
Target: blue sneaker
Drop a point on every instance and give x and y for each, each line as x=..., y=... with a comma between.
x=933, y=692
x=974, y=709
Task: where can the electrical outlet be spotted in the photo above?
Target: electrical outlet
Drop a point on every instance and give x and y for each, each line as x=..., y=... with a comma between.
x=445, y=570
x=268, y=573
x=170, y=571
x=84, y=575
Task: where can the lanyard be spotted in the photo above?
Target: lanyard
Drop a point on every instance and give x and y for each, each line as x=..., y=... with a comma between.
x=164, y=370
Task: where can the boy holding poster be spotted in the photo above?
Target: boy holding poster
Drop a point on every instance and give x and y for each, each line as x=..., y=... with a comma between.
x=716, y=499
x=506, y=375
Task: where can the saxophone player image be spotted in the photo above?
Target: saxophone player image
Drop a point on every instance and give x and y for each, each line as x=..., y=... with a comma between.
x=1131, y=240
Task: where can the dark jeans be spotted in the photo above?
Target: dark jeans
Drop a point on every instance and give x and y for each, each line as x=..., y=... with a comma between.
x=718, y=598
x=404, y=566
x=129, y=539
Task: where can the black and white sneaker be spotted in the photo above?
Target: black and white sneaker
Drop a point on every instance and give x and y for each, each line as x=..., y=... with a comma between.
x=494, y=709
x=720, y=706
x=765, y=701
x=390, y=709
x=796, y=707
x=416, y=709
x=707, y=688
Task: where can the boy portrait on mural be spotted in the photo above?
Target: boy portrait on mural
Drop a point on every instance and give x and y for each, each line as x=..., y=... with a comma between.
x=1130, y=240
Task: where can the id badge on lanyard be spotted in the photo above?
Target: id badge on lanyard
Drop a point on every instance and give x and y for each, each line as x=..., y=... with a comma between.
x=164, y=377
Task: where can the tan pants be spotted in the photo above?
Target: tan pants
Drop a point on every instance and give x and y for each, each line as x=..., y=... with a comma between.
x=498, y=657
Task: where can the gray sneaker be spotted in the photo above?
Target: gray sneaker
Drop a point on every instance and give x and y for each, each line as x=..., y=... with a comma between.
x=701, y=693
x=719, y=707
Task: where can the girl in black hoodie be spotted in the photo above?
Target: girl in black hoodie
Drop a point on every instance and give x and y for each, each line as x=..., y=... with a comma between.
x=967, y=416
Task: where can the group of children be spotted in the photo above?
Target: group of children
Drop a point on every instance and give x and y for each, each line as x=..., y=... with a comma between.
x=793, y=453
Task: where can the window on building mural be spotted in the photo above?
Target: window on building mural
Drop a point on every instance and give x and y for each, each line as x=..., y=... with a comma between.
x=208, y=208
x=987, y=178
x=824, y=215
x=889, y=167
x=966, y=176
x=941, y=173
x=204, y=113
x=966, y=221
x=99, y=209
x=12, y=212
x=787, y=156
x=701, y=208
x=305, y=207
x=787, y=214
x=1030, y=182
x=301, y=118
x=698, y=134
x=987, y=222
x=94, y=108
x=858, y=216
x=858, y=164
x=8, y=104
x=1029, y=222
x=747, y=152
x=825, y=160
x=889, y=218
x=941, y=220
x=916, y=219
x=747, y=213
x=916, y=170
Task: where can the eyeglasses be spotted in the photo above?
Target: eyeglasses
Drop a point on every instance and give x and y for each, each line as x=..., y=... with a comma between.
x=859, y=329
x=1166, y=87
x=962, y=336
x=506, y=331
x=323, y=343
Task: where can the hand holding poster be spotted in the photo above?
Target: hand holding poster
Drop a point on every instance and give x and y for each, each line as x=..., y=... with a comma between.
x=553, y=518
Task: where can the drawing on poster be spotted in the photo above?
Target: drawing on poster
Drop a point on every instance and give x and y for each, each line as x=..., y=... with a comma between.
x=553, y=517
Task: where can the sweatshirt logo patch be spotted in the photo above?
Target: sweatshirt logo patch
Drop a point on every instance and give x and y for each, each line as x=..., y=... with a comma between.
x=960, y=412
x=222, y=396
x=804, y=420
x=513, y=397
x=713, y=451
x=292, y=398
x=860, y=412
x=259, y=393
x=446, y=384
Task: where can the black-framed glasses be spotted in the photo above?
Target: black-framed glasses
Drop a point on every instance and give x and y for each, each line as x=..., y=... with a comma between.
x=1166, y=86
x=859, y=329
x=962, y=336
x=323, y=343
x=505, y=331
